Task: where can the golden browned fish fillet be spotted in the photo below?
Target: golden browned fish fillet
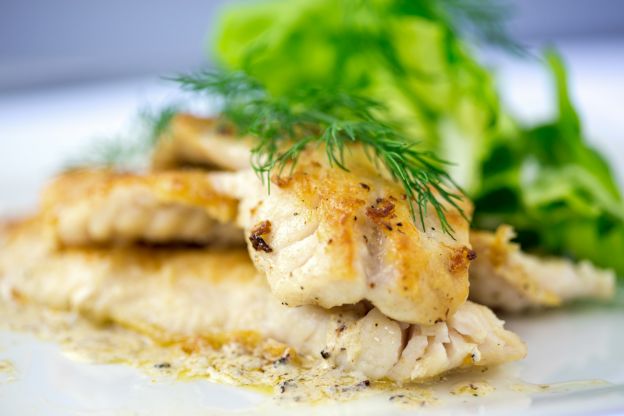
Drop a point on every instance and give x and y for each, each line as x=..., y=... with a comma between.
x=99, y=206
x=329, y=237
x=323, y=236
x=506, y=278
x=177, y=294
x=184, y=144
x=313, y=249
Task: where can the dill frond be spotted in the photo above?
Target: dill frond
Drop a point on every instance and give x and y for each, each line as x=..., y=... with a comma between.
x=284, y=126
x=127, y=150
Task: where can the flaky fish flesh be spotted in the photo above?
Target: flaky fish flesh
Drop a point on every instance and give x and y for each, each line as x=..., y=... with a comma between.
x=326, y=236
x=184, y=293
x=102, y=206
x=504, y=277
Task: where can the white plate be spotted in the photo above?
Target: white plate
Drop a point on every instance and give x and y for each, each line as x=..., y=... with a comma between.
x=579, y=344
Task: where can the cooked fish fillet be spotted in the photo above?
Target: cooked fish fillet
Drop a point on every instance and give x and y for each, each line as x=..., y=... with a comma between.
x=341, y=260
x=187, y=293
x=103, y=206
x=329, y=237
x=504, y=277
x=198, y=141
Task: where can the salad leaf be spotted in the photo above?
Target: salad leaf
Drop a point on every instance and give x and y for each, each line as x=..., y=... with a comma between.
x=553, y=187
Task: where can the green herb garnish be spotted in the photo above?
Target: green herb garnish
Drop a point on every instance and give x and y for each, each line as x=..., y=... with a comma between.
x=127, y=150
x=284, y=126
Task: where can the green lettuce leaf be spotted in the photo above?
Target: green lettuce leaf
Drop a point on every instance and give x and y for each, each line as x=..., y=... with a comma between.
x=557, y=191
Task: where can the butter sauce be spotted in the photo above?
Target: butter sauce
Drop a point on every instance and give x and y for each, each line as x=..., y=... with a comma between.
x=265, y=366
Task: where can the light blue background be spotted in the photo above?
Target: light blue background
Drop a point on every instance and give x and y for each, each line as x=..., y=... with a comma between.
x=56, y=42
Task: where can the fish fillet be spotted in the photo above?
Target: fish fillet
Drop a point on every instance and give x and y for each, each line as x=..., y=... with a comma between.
x=101, y=206
x=330, y=237
x=205, y=142
x=504, y=277
x=177, y=294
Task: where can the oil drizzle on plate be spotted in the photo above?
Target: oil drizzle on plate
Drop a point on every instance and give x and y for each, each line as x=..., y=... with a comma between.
x=8, y=372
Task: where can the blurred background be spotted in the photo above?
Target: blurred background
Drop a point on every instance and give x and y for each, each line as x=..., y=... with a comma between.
x=47, y=43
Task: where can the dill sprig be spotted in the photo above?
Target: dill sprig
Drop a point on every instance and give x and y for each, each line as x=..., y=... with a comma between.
x=284, y=126
x=127, y=150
